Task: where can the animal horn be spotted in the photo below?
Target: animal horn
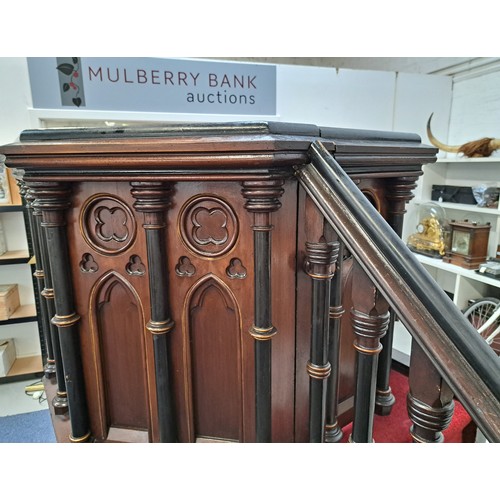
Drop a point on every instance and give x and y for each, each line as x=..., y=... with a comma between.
x=479, y=148
x=439, y=144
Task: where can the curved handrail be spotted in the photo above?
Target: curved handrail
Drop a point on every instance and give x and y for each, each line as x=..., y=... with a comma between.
x=468, y=365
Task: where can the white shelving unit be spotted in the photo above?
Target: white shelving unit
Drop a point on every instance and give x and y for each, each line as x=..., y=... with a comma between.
x=16, y=267
x=461, y=284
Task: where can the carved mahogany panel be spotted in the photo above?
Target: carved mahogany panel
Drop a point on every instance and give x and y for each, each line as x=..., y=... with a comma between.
x=212, y=307
x=112, y=298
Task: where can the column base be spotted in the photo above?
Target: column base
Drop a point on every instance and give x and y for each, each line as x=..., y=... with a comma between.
x=428, y=422
x=384, y=401
x=60, y=404
x=49, y=370
x=333, y=433
x=83, y=439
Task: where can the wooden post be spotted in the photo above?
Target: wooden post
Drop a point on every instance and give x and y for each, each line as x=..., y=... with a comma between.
x=262, y=199
x=430, y=400
x=153, y=200
x=370, y=318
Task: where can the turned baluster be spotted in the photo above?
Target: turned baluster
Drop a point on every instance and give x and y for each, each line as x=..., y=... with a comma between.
x=333, y=431
x=370, y=318
x=430, y=400
x=399, y=193
x=319, y=264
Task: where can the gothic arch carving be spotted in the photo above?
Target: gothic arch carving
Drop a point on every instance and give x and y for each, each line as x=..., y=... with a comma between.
x=212, y=351
x=124, y=390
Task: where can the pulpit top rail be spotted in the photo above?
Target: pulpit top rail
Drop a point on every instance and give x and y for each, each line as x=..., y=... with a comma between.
x=186, y=147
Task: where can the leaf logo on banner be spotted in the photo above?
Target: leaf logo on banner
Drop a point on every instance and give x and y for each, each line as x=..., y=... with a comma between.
x=71, y=71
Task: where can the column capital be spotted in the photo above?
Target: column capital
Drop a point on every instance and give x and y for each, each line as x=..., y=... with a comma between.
x=262, y=196
x=399, y=192
x=51, y=199
x=321, y=258
x=151, y=196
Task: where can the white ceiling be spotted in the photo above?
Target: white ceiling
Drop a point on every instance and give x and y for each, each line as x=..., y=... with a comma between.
x=451, y=66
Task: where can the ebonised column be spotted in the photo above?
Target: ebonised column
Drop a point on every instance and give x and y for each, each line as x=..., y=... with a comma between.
x=153, y=200
x=39, y=274
x=333, y=432
x=262, y=199
x=53, y=200
x=319, y=265
x=370, y=319
x=399, y=193
x=60, y=400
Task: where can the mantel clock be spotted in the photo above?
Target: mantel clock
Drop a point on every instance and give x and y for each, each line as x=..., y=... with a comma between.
x=469, y=244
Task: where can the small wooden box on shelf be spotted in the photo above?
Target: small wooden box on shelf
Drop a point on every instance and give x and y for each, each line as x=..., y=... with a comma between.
x=7, y=355
x=9, y=300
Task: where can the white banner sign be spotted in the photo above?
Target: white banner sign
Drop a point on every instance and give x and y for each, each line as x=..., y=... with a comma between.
x=153, y=85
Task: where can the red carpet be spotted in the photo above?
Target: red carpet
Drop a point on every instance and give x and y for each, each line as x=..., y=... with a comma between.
x=394, y=428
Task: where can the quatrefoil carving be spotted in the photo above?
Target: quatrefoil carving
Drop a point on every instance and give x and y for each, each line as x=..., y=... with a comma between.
x=185, y=267
x=210, y=226
x=107, y=224
x=135, y=267
x=88, y=264
x=236, y=270
x=111, y=224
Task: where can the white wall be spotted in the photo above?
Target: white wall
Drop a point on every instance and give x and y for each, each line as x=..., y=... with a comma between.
x=475, y=111
x=324, y=96
x=15, y=98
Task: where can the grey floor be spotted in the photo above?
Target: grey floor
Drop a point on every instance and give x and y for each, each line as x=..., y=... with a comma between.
x=14, y=400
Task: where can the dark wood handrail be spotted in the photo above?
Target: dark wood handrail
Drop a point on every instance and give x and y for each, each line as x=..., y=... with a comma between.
x=461, y=356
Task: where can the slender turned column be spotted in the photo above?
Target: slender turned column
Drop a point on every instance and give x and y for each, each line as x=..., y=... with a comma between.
x=50, y=367
x=370, y=318
x=52, y=198
x=262, y=199
x=320, y=261
x=60, y=400
x=399, y=193
x=430, y=400
x=333, y=431
x=153, y=200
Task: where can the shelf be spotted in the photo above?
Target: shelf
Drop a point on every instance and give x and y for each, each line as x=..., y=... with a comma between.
x=463, y=159
x=462, y=207
x=11, y=208
x=15, y=257
x=452, y=268
x=23, y=314
x=25, y=366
